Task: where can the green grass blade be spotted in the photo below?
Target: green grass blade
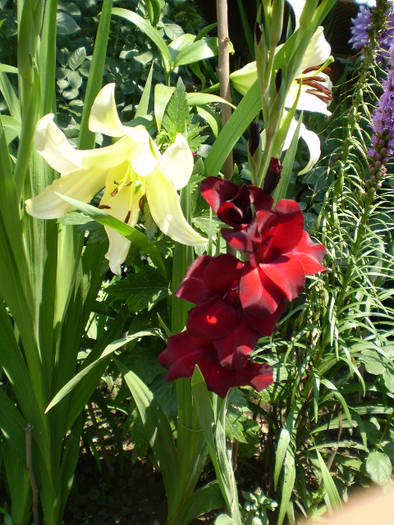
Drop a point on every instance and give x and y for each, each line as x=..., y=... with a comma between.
x=143, y=106
x=333, y=497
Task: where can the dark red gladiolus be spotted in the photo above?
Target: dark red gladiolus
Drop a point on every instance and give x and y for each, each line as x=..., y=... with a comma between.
x=213, y=285
x=234, y=204
x=281, y=255
x=184, y=352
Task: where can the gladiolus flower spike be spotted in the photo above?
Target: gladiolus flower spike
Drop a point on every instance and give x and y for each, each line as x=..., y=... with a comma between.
x=238, y=302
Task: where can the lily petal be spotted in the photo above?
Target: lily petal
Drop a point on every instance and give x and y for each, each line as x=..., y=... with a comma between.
x=317, y=52
x=80, y=184
x=104, y=115
x=176, y=163
x=308, y=101
x=146, y=156
x=53, y=146
x=313, y=143
x=124, y=205
x=167, y=213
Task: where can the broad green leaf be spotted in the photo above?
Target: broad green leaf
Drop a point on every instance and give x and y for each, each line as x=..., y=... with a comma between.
x=379, y=468
x=105, y=356
x=144, y=26
x=196, y=51
x=204, y=500
x=333, y=497
x=157, y=429
x=66, y=25
x=202, y=99
x=141, y=290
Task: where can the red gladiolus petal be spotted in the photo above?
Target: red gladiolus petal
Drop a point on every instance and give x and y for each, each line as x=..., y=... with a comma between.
x=261, y=200
x=216, y=191
x=263, y=378
x=222, y=272
x=230, y=214
x=258, y=296
x=285, y=233
x=265, y=326
x=233, y=350
x=287, y=273
x=193, y=288
x=212, y=320
x=238, y=239
x=310, y=255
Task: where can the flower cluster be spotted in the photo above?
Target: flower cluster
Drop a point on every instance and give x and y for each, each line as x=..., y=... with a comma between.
x=361, y=26
x=237, y=302
x=383, y=128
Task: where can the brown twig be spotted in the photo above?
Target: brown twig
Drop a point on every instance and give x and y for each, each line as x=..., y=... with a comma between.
x=224, y=72
x=29, y=467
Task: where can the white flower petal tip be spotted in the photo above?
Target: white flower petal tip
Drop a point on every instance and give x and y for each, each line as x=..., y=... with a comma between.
x=104, y=115
x=313, y=143
x=166, y=211
x=53, y=146
x=176, y=164
x=117, y=251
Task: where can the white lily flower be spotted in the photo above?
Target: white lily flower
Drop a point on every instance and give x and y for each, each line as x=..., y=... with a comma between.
x=129, y=169
x=316, y=86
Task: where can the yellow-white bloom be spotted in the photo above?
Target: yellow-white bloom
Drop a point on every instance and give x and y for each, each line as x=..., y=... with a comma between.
x=316, y=86
x=129, y=169
x=314, y=95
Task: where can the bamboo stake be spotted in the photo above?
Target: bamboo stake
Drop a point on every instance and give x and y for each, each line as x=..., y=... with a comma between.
x=224, y=72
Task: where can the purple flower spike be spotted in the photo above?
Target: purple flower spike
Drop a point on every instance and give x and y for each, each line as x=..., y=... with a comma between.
x=360, y=28
x=360, y=32
x=383, y=124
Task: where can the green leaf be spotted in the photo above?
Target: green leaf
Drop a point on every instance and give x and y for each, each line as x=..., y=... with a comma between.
x=378, y=467
x=5, y=68
x=142, y=290
x=66, y=25
x=143, y=106
x=287, y=485
x=224, y=519
x=334, y=499
x=157, y=429
x=176, y=115
x=196, y=51
x=162, y=95
x=202, y=99
x=144, y=26
x=203, y=500
x=12, y=127
x=281, y=450
x=76, y=58
x=105, y=356
x=246, y=111
x=288, y=163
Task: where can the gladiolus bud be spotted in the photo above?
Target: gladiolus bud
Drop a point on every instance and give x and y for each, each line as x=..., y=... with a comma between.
x=278, y=80
x=273, y=175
